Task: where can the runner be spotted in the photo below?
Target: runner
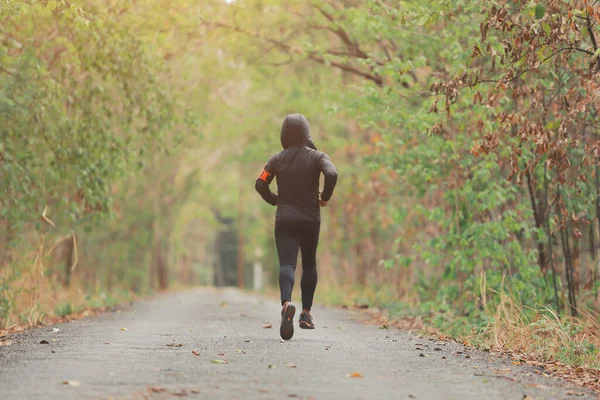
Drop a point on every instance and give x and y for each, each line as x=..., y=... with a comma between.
x=298, y=220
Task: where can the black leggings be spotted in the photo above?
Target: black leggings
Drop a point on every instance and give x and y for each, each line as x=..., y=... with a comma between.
x=289, y=238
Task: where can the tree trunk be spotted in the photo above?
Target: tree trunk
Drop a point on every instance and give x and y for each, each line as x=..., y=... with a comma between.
x=564, y=235
x=241, y=280
x=538, y=215
x=69, y=261
x=362, y=271
x=596, y=246
x=162, y=270
x=575, y=264
x=549, y=233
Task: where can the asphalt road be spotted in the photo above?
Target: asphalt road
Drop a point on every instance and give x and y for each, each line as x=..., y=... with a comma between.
x=100, y=360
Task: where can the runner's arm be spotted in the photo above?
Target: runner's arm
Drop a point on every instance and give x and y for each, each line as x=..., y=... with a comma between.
x=331, y=176
x=264, y=180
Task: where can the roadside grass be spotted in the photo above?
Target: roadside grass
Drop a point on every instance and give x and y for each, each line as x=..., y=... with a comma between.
x=541, y=333
x=29, y=299
x=502, y=325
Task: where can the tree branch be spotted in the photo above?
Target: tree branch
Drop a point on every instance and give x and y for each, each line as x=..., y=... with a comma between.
x=590, y=29
x=315, y=57
x=529, y=69
x=342, y=34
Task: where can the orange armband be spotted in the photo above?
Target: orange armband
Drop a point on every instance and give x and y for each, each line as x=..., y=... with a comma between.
x=266, y=176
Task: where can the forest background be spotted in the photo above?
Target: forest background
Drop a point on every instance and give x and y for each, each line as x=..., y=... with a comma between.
x=464, y=133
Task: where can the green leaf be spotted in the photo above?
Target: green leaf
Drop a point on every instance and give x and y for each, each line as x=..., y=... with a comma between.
x=547, y=29
x=540, y=10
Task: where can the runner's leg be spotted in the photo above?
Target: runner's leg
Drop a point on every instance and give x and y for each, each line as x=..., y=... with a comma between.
x=308, y=245
x=288, y=244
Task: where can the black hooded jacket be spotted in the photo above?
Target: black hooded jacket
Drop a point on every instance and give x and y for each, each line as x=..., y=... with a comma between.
x=298, y=169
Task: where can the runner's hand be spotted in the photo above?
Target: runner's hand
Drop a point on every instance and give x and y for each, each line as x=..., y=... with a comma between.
x=322, y=203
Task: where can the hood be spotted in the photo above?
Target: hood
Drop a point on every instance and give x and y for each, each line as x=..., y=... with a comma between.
x=295, y=131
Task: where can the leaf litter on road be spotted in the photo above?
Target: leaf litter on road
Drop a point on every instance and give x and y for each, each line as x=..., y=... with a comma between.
x=267, y=326
x=194, y=352
x=71, y=383
x=181, y=393
x=355, y=375
x=175, y=345
x=219, y=361
x=290, y=365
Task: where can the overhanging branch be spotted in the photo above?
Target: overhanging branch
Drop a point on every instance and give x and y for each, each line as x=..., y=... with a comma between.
x=312, y=56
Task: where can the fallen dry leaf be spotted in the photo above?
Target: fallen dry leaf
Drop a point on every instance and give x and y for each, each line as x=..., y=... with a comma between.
x=194, y=352
x=195, y=391
x=240, y=351
x=124, y=329
x=219, y=361
x=44, y=342
x=267, y=326
x=535, y=385
x=157, y=389
x=356, y=375
x=72, y=383
x=182, y=393
x=573, y=393
x=174, y=345
x=270, y=366
x=290, y=365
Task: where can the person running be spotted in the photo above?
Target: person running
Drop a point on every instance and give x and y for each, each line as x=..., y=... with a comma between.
x=298, y=219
